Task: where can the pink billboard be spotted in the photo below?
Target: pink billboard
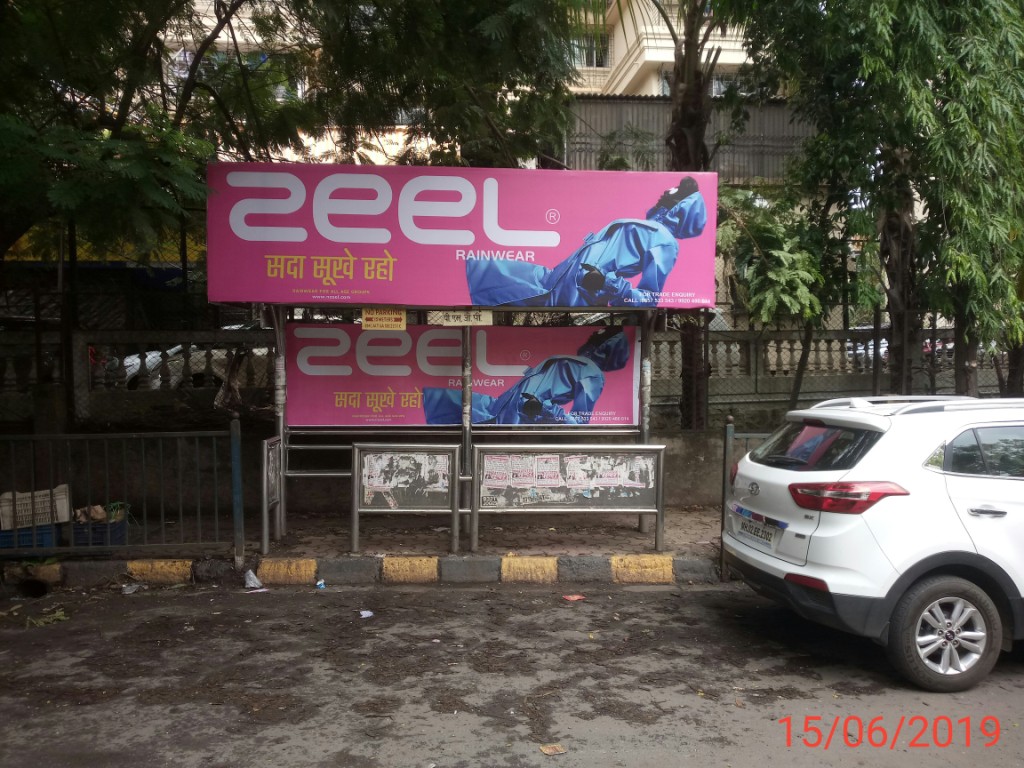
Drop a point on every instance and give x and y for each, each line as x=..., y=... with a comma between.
x=459, y=237
x=342, y=375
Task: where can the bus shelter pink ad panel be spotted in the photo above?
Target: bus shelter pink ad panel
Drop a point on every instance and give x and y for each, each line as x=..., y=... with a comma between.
x=460, y=237
x=341, y=375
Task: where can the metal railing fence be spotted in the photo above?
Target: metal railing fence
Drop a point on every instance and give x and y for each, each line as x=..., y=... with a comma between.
x=147, y=492
x=123, y=378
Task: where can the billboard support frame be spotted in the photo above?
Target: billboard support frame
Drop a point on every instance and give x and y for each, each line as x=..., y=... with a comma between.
x=464, y=469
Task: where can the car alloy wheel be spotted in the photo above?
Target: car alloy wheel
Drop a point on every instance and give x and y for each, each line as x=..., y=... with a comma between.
x=945, y=634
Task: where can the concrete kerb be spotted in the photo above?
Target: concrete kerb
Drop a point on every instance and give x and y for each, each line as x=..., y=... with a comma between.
x=492, y=569
x=395, y=569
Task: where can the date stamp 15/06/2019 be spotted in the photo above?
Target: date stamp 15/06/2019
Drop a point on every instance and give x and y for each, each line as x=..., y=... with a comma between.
x=914, y=731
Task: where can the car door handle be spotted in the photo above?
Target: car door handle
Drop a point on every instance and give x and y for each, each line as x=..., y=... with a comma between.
x=987, y=512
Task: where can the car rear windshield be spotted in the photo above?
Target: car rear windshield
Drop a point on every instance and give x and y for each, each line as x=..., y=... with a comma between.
x=814, y=447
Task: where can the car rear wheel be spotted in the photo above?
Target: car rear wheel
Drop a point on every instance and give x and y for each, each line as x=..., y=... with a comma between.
x=945, y=634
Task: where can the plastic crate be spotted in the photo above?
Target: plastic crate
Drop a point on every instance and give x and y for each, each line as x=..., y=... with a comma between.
x=40, y=536
x=99, y=534
x=16, y=509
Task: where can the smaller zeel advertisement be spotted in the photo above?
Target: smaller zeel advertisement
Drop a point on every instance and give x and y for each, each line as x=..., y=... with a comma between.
x=343, y=375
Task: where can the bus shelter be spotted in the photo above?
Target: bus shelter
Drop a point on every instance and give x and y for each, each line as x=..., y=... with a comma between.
x=439, y=384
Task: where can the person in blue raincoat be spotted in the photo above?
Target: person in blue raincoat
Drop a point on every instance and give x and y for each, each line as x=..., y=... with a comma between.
x=598, y=273
x=562, y=389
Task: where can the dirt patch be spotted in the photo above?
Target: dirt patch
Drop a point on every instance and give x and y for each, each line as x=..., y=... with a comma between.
x=691, y=531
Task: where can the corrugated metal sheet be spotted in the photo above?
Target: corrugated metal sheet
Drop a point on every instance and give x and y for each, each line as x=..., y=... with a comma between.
x=638, y=125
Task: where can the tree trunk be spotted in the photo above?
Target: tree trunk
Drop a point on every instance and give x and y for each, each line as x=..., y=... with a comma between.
x=965, y=359
x=694, y=377
x=801, y=366
x=690, y=95
x=691, y=112
x=898, y=253
x=1015, y=371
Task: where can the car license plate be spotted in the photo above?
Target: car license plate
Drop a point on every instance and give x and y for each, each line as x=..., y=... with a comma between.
x=757, y=532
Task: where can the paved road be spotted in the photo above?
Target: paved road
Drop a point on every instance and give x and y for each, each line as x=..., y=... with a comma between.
x=443, y=676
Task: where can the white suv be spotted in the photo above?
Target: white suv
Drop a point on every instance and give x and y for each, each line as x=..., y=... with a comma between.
x=899, y=519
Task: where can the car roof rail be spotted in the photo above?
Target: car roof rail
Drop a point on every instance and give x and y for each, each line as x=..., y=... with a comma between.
x=959, y=404
x=864, y=402
x=972, y=404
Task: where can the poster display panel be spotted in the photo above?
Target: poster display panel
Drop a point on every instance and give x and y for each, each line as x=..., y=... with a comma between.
x=407, y=478
x=566, y=479
x=412, y=478
x=306, y=234
x=342, y=375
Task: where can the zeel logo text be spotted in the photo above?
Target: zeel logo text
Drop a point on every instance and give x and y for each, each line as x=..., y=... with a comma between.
x=338, y=198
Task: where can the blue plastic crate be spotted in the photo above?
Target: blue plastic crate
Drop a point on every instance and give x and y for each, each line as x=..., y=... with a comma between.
x=99, y=534
x=21, y=538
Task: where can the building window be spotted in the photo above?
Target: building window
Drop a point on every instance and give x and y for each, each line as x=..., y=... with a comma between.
x=591, y=50
x=665, y=84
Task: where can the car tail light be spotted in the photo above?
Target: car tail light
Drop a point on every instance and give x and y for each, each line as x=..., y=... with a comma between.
x=733, y=471
x=807, y=581
x=847, y=498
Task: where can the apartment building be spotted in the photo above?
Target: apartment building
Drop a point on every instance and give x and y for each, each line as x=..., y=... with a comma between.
x=632, y=53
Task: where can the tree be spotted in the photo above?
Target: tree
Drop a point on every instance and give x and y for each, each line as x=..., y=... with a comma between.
x=789, y=262
x=918, y=106
x=480, y=83
x=110, y=109
x=690, y=24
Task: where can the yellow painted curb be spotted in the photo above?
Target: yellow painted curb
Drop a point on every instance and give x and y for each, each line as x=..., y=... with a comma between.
x=161, y=571
x=409, y=570
x=49, y=573
x=287, y=570
x=535, y=569
x=642, y=569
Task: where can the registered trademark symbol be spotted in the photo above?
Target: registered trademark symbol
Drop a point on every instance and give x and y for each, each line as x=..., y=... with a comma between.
x=524, y=355
x=552, y=216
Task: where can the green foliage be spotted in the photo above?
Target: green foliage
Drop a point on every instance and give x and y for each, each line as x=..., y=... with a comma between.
x=919, y=109
x=772, y=249
x=628, y=149
x=485, y=82
x=111, y=109
x=91, y=129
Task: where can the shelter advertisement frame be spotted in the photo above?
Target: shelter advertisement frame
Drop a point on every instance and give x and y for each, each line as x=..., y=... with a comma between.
x=288, y=233
x=271, y=470
x=560, y=479
x=341, y=375
x=410, y=478
x=515, y=240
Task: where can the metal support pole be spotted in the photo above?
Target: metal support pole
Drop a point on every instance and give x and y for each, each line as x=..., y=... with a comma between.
x=454, y=483
x=730, y=431
x=264, y=503
x=357, y=461
x=467, y=400
x=237, y=511
x=465, y=468
x=646, y=331
x=280, y=398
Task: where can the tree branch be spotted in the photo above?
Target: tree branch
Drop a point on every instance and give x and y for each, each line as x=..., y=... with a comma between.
x=190, y=83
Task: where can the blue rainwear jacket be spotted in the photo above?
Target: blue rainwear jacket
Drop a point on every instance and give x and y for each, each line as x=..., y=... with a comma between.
x=623, y=249
x=542, y=394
